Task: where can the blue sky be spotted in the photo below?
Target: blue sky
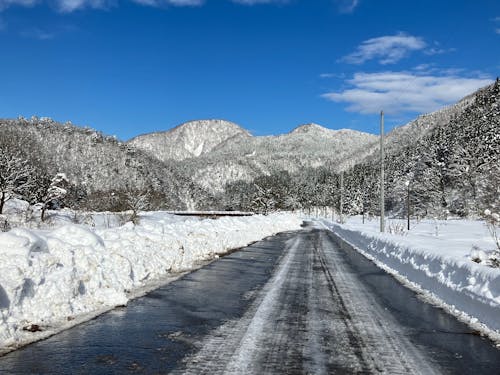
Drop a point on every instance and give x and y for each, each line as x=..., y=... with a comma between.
x=131, y=67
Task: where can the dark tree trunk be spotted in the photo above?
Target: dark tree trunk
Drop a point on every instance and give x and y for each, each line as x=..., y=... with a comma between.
x=2, y=202
x=44, y=208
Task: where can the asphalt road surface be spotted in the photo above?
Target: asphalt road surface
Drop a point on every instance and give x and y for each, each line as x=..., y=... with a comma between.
x=294, y=303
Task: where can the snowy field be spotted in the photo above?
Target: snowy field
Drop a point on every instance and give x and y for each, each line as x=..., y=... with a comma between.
x=65, y=273
x=452, y=263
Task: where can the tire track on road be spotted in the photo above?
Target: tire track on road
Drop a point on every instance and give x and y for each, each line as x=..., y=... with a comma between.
x=382, y=342
x=233, y=348
x=313, y=317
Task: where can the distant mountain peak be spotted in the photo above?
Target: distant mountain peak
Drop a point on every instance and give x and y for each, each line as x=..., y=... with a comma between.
x=311, y=127
x=190, y=139
x=211, y=125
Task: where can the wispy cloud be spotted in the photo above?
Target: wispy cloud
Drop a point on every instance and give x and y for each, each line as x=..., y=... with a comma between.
x=25, y=3
x=424, y=67
x=184, y=3
x=386, y=49
x=254, y=2
x=438, y=51
x=68, y=6
x=64, y=6
x=496, y=20
x=404, y=92
x=327, y=75
x=347, y=6
x=36, y=33
x=175, y=3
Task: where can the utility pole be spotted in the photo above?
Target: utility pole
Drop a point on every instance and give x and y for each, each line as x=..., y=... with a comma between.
x=341, y=196
x=382, y=199
x=363, y=210
x=408, y=202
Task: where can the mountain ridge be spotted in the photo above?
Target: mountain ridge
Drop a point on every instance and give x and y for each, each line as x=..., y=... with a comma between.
x=193, y=164
x=189, y=139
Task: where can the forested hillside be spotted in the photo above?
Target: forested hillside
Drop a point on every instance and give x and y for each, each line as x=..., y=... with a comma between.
x=100, y=169
x=244, y=157
x=450, y=158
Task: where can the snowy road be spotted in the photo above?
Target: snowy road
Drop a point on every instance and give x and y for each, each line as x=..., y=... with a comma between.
x=294, y=303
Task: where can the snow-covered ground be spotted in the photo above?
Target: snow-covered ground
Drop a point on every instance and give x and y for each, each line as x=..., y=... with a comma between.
x=59, y=276
x=439, y=259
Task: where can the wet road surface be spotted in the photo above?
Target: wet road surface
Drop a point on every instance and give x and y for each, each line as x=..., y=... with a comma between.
x=294, y=303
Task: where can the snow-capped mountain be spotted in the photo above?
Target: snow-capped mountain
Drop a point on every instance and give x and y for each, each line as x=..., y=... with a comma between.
x=451, y=155
x=217, y=152
x=100, y=168
x=313, y=128
x=191, y=139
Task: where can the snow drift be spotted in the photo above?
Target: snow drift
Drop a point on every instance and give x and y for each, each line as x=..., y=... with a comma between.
x=438, y=264
x=54, y=278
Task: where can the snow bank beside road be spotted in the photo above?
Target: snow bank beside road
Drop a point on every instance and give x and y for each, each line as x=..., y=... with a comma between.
x=435, y=257
x=50, y=278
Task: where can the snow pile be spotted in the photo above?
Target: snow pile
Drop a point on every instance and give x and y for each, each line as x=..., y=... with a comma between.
x=436, y=257
x=52, y=278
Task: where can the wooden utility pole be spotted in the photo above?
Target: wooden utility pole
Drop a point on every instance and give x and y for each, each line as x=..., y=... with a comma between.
x=382, y=198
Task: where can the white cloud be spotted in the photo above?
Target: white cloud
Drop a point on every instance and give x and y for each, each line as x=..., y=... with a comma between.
x=37, y=33
x=25, y=3
x=496, y=20
x=254, y=2
x=402, y=92
x=438, y=51
x=184, y=3
x=68, y=6
x=347, y=6
x=424, y=67
x=72, y=5
x=386, y=49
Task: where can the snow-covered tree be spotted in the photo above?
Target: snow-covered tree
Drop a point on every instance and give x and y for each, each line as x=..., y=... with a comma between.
x=493, y=223
x=137, y=201
x=16, y=176
x=56, y=193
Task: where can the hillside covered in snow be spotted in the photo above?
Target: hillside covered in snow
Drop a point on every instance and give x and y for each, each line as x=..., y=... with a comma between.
x=101, y=170
x=450, y=158
x=191, y=139
x=247, y=158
